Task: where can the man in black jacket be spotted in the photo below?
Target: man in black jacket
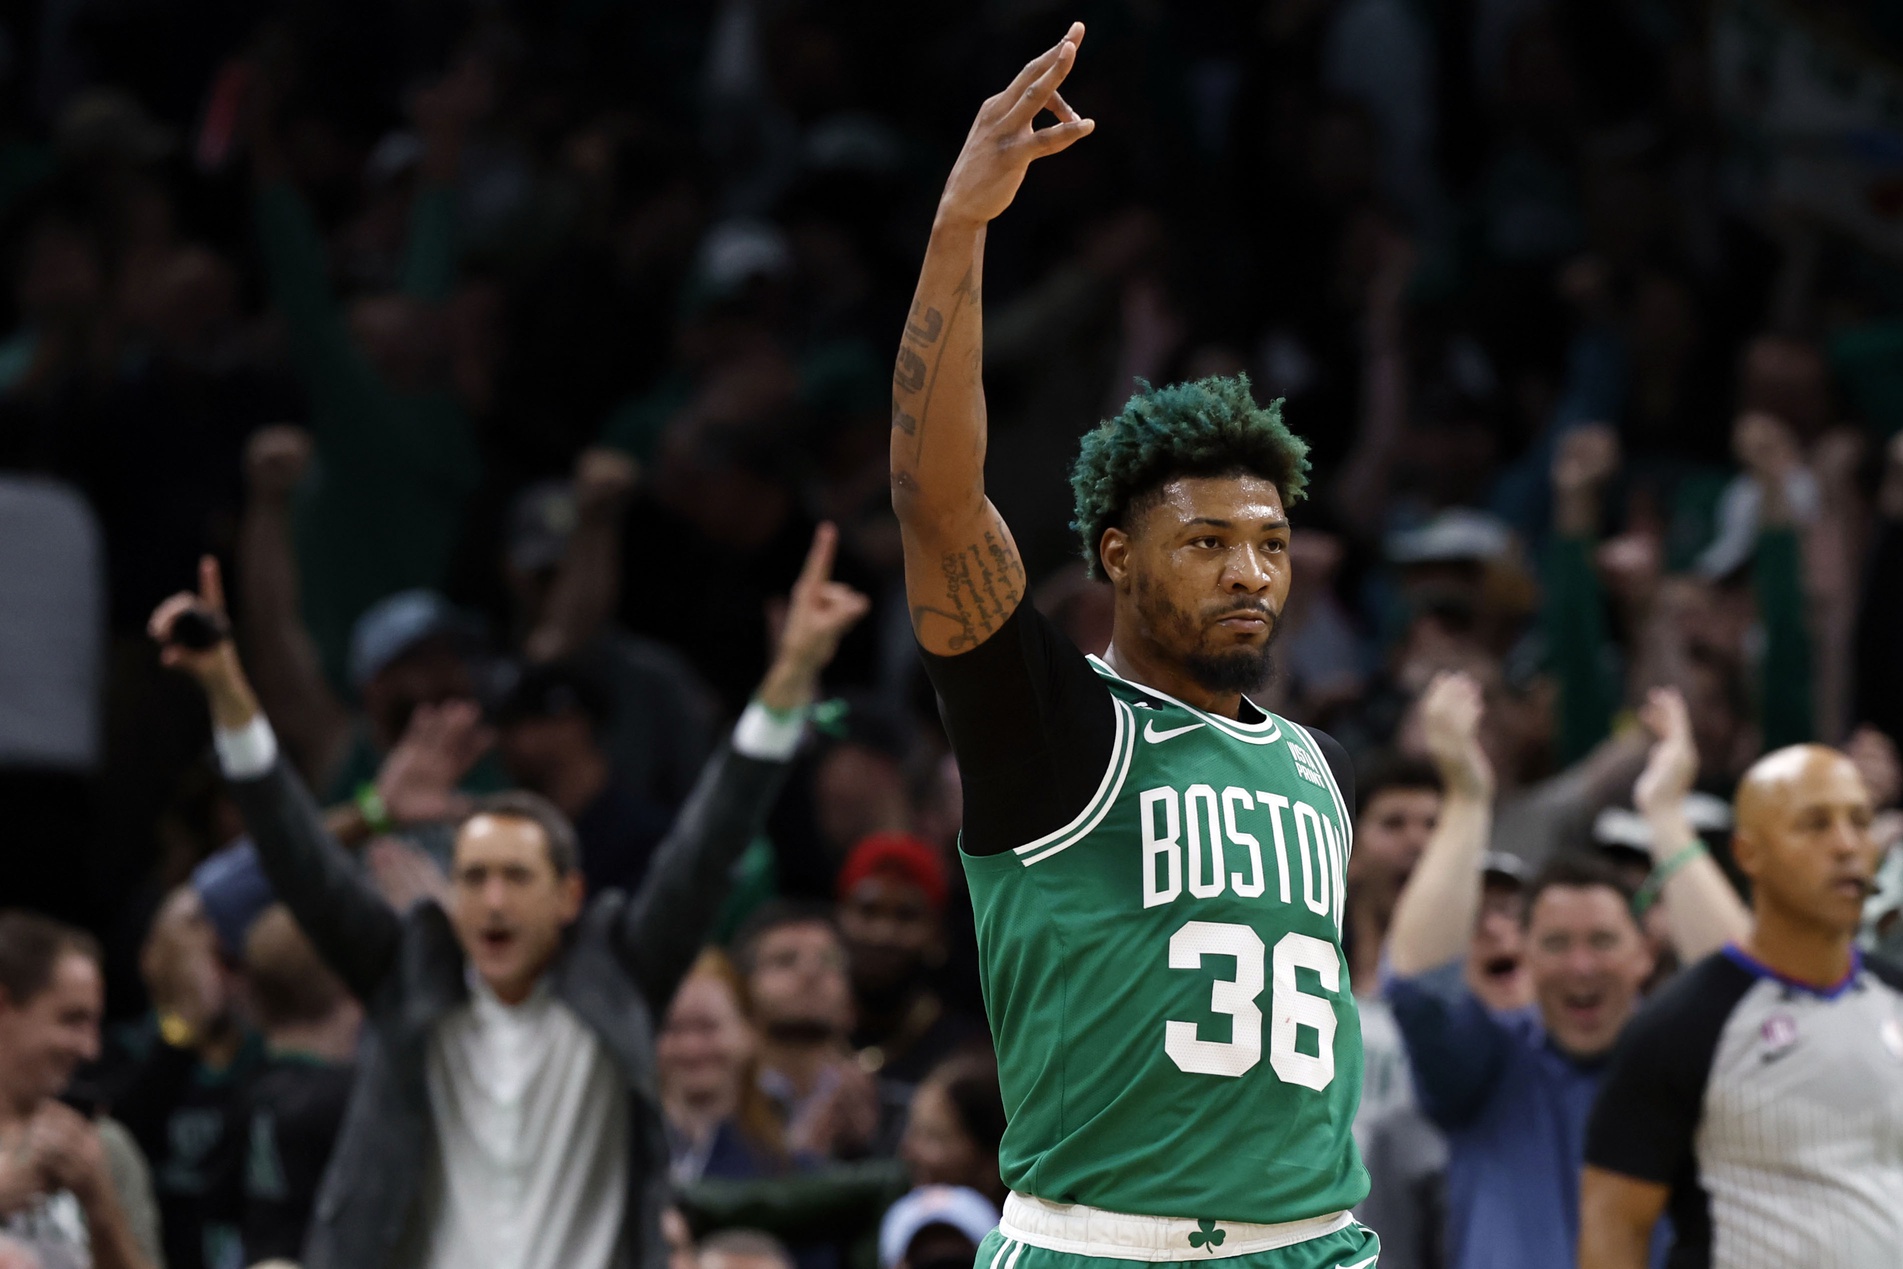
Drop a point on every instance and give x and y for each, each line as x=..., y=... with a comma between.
x=505, y=1110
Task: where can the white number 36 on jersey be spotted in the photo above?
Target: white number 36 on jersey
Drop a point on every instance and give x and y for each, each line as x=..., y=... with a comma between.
x=1290, y=1008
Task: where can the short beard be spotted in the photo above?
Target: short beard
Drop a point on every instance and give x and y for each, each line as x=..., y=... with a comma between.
x=1238, y=670
x=1243, y=670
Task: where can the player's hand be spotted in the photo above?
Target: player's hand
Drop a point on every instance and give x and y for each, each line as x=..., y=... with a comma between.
x=1004, y=140
x=417, y=782
x=1450, y=712
x=1672, y=765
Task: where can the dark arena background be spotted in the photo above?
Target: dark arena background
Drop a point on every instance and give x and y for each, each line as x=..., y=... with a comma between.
x=504, y=359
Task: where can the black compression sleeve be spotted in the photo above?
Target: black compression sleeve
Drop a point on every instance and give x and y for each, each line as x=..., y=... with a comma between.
x=1344, y=770
x=1032, y=726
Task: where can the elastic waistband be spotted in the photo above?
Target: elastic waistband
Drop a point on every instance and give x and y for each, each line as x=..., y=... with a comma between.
x=1091, y=1231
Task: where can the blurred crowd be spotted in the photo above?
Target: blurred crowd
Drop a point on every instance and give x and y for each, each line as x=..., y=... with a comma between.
x=508, y=355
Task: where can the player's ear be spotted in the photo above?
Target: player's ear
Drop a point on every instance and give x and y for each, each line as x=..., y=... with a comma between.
x=1113, y=552
x=1745, y=853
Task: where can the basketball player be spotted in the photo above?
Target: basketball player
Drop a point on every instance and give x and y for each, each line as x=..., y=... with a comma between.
x=1759, y=1097
x=1156, y=863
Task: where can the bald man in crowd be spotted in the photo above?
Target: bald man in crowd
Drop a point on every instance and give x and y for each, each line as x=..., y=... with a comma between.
x=1759, y=1098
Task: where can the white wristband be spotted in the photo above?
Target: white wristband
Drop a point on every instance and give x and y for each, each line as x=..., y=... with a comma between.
x=246, y=752
x=762, y=734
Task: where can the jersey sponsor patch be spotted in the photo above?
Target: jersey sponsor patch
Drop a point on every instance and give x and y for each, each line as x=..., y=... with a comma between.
x=1305, y=765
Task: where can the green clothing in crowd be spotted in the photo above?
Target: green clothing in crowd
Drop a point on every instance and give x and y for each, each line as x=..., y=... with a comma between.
x=840, y=1205
x=382, y=508
x=1579, y=648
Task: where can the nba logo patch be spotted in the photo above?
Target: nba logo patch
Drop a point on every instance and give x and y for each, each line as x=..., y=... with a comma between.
x=1779, y=1033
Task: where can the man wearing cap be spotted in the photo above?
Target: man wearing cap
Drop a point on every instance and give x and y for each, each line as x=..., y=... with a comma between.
x=892, y=893
x=1512, y=1090
x=504, y=1112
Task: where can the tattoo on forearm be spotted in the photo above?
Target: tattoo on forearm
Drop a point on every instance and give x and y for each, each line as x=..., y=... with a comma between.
x=983, y=585
x=924, y=328
x=910, y=376
x=928, y=328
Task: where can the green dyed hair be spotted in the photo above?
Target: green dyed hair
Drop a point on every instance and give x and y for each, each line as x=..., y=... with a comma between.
x=1211, y=427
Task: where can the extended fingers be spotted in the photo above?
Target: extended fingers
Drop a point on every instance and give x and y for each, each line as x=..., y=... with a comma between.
x=160, y=626
x=819, y=557
x=1060, y=136
x=1039, y=92
x=1042, y=62
x=211, y=584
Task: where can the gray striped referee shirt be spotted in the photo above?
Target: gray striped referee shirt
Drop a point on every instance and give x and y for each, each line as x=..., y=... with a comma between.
x=1773, y=1110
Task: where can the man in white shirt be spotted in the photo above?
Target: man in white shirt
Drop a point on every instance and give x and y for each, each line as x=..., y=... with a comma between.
x=505, y=1112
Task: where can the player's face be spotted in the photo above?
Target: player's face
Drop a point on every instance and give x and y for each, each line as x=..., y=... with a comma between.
x=703, y=1047
x=1390, y=834
x=1202, y=576
x=507, y=902
x=1588, y=960
x=44, y=1039
x=1811, y=852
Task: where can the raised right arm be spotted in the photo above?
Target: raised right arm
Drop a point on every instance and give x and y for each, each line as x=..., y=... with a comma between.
x=1434, y=917
x=963, y=576
x=351, y=926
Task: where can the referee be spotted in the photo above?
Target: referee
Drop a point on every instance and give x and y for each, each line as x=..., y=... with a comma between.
x=1758, y=1099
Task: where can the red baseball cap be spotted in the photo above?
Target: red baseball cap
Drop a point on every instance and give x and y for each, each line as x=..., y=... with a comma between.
x=900, y=853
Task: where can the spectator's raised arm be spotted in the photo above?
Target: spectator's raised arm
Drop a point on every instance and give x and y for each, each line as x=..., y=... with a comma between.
x=667, y=922
x=587, y=583
x=353, y=928
x=1702, y=911
x=312, y=722
x=1434, y=917
x=1454, y=1045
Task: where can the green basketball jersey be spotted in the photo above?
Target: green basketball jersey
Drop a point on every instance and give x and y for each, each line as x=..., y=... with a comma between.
x=1164, y=976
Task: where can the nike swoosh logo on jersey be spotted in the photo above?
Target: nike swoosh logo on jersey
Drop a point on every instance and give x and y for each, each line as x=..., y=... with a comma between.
x=1361, y=1264
x=1151, y=734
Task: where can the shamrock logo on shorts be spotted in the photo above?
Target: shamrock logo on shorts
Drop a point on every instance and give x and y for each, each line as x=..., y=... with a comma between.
x=1207, y=1236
